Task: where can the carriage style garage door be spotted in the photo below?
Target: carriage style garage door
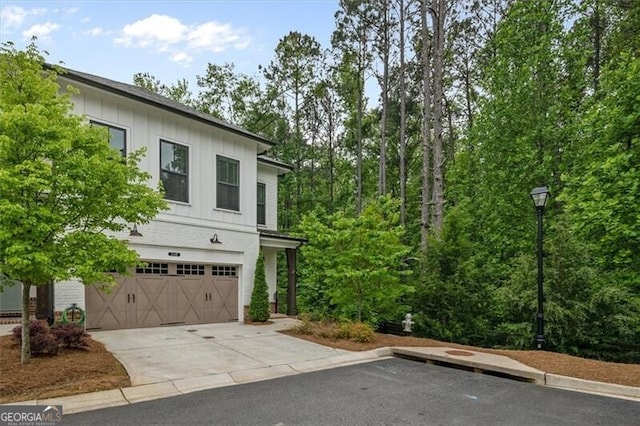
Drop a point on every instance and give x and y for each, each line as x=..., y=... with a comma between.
x=166, y=293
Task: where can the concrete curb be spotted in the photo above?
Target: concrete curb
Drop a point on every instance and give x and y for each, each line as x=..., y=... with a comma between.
x=488, y=363
x=588, y=386
x=478, y=362
x=482, y=363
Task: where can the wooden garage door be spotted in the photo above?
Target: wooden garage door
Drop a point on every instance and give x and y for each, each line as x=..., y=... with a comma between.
x=163, y=294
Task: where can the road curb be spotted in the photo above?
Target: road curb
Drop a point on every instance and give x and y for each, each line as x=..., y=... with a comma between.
x=524, y=372
x=589, y=386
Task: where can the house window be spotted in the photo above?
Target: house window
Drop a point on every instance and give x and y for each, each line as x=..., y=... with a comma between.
x=174, y=171
x=187, y=269
x=224, y=271
x=228, y=183
x=117, y=137
x=153, y=268
x=262, y=204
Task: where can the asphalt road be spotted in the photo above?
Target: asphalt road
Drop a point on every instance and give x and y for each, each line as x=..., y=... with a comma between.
x=387, y=392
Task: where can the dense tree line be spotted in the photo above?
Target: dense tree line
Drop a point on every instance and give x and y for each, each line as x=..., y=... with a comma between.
x=479, y=102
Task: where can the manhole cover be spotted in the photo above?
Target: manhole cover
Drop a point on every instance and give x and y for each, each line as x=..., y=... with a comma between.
x=207, y=337
x=460, y=353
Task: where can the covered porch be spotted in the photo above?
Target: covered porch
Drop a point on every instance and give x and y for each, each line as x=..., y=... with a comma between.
x=272, y=242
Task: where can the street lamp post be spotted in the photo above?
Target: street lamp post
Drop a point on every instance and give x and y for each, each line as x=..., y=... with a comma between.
x=540, y=196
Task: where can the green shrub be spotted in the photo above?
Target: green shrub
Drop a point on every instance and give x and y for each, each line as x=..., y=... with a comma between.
x=357, y=331
x=305, y=325
x=259, y=306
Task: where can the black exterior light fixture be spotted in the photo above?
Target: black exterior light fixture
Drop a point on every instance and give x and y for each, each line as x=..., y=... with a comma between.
x=540, y=196
x=134, y=231
x=215, y=240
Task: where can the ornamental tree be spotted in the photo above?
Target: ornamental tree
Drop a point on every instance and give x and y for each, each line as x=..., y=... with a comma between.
x=64, y=192
x=353, y=267
x=259, y=306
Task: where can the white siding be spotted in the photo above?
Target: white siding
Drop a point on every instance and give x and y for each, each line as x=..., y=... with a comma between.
x=269, y=176
x=66, y=293
x=186, y=228
x=145, y=127
x=271, y=269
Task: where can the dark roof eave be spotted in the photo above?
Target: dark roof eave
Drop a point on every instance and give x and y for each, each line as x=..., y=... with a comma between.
x=281, y=236
x=162, y=103
x=277, y=164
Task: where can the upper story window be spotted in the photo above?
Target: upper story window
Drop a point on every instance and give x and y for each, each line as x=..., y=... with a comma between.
x=262, y=203
x=117, y=137
x=227, y=183
x=174, y=171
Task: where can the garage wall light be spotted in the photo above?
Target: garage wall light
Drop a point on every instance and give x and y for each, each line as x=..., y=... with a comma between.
x=215, y=240
x=134, y=232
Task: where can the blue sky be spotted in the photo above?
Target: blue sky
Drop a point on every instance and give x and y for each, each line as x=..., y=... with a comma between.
x=169, y=39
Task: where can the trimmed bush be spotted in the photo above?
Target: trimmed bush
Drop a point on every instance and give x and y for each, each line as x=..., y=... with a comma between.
x=259, y=306
x=40, y=338
x=305, y=326
x=70, y=336
x=357, y=331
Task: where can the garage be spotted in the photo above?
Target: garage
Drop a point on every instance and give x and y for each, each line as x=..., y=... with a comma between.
x=164, y=294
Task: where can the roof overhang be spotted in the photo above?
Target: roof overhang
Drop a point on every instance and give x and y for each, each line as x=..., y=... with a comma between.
x=281, y=167
x=279, y=240
x=141, y=95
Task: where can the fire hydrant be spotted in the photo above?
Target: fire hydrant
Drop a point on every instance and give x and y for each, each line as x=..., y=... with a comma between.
x=407, y=323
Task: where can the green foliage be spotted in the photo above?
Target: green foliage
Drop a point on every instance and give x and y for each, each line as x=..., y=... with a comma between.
x=356, y=331
x=64, y=192
x=259, y=305
x=451, y=301
x=353, y=268
x=305, y=324
x=604, y=186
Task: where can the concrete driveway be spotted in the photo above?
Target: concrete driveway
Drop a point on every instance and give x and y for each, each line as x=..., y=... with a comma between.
x=211, y=355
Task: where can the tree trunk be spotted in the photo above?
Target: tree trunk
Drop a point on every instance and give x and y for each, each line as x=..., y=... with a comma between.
x=403, y=111
x=426, y=123
x=26, y=344
x=359, y=124
x=438, y=157
x=331, y=161
x=382, y=177
x=597, y=44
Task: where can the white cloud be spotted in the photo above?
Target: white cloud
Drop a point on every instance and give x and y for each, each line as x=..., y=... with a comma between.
x=41, y=31
x=156, y=30
x=13, y=16
x=72, y=10
x=96, y=31
x=181, y=58
x=180, y=41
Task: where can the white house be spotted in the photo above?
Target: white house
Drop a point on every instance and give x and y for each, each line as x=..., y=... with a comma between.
x=221, y=190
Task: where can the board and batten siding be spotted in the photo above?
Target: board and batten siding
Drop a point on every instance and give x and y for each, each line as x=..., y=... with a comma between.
x=186, y=228
x=269, y=176
x=147, y=125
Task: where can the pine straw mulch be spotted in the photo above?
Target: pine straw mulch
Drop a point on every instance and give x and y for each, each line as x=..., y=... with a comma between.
x=77, y=371
x=71, y=372
x=549, y=362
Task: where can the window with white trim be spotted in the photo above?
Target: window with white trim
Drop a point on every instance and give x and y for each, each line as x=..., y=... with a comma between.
x=261, y=197
x=117, y=137
x=227, y=183
x=174, y=171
